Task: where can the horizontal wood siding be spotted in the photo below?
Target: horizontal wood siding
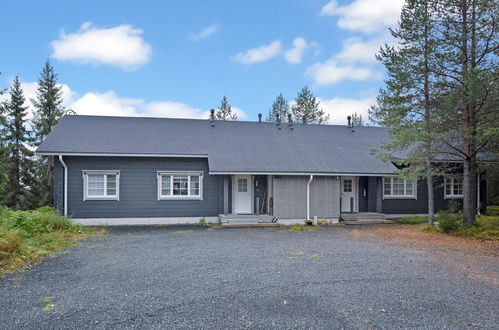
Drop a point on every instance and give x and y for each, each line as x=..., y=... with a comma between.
x=419, y=205
x=138, y=188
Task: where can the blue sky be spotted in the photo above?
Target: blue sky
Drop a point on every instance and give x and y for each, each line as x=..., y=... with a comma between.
x=178, y=58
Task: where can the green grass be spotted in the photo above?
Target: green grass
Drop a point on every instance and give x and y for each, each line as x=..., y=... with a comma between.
x=28, y=236
x=411, y=220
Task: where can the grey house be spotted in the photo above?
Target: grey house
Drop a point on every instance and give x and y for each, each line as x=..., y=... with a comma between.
x=180, y=170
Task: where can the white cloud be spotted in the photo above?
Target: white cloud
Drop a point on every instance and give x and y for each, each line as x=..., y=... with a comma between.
x=259, y=54
x=205, y=33
x=366, y=16
x=120, y=46
x=331, y=72
x=110, y=104
x=339, y=108
x=357, y=50
x=295, y=54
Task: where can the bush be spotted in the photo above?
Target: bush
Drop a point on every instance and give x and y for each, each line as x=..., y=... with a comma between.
x=449, y=222
x=27, y=236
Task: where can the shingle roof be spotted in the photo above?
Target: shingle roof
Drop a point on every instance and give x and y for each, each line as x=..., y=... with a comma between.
x=231, y=146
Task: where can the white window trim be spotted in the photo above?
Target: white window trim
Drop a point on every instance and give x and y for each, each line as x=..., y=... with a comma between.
x=452, y=196
x=187, y=173
x=86, y=197
x=414, y=190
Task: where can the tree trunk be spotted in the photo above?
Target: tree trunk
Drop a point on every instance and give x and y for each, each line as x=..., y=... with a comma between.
x=469, y=192
x=431, y=204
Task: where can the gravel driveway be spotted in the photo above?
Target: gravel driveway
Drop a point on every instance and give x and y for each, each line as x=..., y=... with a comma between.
x=194, y=277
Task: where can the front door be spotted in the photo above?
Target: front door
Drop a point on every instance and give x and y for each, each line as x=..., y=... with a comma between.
x=348, y=193
x=242, y=192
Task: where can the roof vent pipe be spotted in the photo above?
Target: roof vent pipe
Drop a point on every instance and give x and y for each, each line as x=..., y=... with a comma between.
x=349, y=118
x=304, y=120
x=290, y=121
x=212, y=117
x=278, y=120
x=259, y=117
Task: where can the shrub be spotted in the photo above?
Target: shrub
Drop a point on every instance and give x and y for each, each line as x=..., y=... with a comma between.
x=202, y=222
x=449, y=222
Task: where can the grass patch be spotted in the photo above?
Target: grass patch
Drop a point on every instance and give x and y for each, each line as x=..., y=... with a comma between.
x=28, y=236
x=299, y=227
x=485, y=228
x=411, y=220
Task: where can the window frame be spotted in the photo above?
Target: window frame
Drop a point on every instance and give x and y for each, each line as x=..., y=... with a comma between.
x=451, y=181
x=105, y=197
x=405, y=196
x=189, y=174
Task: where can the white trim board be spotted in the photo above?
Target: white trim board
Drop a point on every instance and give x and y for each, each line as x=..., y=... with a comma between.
x=142, y=221
x=121, y=155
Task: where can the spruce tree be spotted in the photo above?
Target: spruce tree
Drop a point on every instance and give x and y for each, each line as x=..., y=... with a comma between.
x=408, y=102
x=48, y=111
x=20, y=163
x=307, y=106
x=279, y=107
x=224, y=111
x=4, y=176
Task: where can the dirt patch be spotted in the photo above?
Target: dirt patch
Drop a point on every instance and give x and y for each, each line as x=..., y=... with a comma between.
x=476, y=258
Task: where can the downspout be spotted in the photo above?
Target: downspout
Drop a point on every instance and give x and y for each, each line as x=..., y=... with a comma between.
x=308, y=196
x=65, y=185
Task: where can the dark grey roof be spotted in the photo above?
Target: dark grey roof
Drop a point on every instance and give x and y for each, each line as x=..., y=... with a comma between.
x=231, y=146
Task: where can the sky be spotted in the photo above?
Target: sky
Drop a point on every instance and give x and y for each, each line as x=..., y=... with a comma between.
x=179, y=58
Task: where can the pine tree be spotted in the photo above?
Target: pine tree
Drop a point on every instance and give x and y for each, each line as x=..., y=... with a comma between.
x=468, y=71
x=20, y=163
x=224, y=111
x=408, y=102
x=279, y=107
x=48, y=111
x=307, y=106
x=357, y=120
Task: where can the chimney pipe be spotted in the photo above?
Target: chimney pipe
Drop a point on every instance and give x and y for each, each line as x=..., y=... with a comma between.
x=259, y=117
x=349, y=118
x=304, y=120
x=290, y=121
x=212, y=117
x=278, y=120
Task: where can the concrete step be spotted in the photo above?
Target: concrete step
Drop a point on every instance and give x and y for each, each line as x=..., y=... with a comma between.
x=366, y=222
x=362, y=216
x=248, y=225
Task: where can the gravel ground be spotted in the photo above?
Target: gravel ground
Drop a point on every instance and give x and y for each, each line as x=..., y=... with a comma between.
x=193, y=277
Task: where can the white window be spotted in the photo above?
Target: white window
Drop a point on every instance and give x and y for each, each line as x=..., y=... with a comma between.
x=454, y=187
x=394, y=187
x=101, y=185
x=185, y=185
x=347, y=185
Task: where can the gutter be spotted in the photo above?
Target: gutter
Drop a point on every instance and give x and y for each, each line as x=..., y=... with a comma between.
x=65, y=185
x=308, y=196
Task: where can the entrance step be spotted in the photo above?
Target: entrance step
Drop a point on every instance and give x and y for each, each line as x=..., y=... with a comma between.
x=245, y=218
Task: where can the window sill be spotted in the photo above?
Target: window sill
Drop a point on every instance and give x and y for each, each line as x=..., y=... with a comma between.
x=101, y=199
x=400, y=197
x=172, y=198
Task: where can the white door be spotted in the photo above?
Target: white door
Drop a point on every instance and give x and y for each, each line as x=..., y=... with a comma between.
x=242, y=193
x=348, y=194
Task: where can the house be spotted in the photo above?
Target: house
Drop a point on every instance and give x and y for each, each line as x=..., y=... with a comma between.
x=160, y=170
